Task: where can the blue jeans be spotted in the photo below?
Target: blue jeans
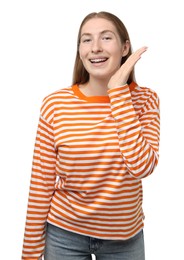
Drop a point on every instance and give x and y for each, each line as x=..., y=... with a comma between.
x=65, y=245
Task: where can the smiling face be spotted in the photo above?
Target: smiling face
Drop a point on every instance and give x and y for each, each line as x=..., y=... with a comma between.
x=100, y=48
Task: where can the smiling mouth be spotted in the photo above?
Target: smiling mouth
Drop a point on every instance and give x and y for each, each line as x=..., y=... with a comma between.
x=98, y=60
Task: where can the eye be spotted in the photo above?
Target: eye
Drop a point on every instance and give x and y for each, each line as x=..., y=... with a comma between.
x=106, y=38
x=86, y=40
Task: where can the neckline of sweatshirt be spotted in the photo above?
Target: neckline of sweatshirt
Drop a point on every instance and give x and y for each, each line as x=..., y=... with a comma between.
x=96, y=99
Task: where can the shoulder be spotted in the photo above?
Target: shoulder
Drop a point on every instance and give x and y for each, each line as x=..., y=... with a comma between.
x=51, y=100
x=144, y=90
x=145, y=95
x=58, y=94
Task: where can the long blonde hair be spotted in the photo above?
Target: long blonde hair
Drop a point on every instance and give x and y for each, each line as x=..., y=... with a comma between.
x=80, y=75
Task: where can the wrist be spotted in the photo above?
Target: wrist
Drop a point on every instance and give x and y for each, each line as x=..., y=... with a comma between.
x=111, y=87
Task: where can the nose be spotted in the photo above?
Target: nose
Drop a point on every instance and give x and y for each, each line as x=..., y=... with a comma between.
x=96, y=46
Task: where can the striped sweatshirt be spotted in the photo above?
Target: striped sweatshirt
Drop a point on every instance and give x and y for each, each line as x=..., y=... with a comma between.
x=89, y=158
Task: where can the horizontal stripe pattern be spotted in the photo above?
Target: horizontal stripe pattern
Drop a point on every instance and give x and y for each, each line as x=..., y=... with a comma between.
x=90, y=156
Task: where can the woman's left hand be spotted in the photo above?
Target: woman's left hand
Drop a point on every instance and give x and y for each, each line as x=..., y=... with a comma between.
x=121, y=76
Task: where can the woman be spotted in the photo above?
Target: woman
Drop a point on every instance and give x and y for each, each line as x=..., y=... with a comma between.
x=96, y=140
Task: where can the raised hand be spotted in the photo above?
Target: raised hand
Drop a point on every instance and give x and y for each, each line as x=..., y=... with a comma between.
x=121, y=76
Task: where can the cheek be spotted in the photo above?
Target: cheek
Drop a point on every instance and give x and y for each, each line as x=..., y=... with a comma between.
x=82, y=52
x=114, y=50
x=117, y=54
x=85, y=50
x=82, y=55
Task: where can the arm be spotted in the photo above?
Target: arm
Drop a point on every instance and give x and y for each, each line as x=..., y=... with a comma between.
x=41, y=191
x=138, y=133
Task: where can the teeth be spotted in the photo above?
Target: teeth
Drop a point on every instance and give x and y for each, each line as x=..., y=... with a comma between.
x=98, y=60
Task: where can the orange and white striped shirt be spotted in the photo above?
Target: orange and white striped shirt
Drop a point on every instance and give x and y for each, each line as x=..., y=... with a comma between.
x=90, y=156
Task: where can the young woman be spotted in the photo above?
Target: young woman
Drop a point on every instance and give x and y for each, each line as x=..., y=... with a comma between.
x=96, y=140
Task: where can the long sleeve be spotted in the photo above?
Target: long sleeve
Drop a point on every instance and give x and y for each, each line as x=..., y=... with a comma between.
x=138, y=127
x=41, y=190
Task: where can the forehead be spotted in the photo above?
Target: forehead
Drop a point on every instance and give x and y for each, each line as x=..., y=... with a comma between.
x=96, y=25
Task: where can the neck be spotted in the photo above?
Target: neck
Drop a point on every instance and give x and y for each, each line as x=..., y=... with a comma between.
x=95, y=87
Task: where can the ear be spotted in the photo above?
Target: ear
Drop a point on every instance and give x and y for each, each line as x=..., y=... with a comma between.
x=125, y=48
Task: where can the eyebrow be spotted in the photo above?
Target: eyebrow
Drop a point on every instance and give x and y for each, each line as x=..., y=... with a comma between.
x=102, y=32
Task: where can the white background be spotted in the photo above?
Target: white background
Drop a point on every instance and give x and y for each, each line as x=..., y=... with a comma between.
x=37, y=52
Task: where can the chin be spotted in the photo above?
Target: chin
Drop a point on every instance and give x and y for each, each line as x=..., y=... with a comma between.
x=100, y=77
